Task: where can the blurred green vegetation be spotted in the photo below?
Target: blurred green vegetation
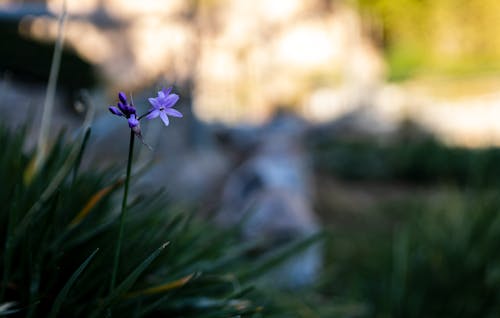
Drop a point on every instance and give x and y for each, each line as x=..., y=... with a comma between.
x=431, y=252
x=451, y=37
x=424, y=161
x=58, y=230
x=421, y=258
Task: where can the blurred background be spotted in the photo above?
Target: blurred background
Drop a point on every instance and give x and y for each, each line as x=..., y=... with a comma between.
x=374, y=119
x=433, y=63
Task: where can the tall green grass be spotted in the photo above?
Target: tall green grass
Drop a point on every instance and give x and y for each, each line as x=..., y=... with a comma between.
x=439, y=259
x=429, y=253
x=58, y=231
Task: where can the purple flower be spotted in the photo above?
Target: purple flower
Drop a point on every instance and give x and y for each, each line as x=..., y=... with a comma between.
x=127, y=110
x=162, y=106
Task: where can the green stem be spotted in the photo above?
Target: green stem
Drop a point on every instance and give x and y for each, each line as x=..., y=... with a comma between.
x=8, y=246
x=123, y=212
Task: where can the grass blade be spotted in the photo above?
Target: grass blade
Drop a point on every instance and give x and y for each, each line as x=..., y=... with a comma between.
x=64, y=292
x=164, y=287
x=93, y=201
x=80, y=154
x=48, y=104
x=5, y=308
x=52, y=186
x=290, y=250
x=130, y=280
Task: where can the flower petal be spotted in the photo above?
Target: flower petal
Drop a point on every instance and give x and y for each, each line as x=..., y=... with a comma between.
x=155, y=102
x=166, y=91
x=164, y=117
x=170, y=100
x=153, y=114
x=115, y=111
x=173, y=112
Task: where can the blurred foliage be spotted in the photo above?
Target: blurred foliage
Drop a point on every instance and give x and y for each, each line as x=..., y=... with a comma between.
x=58, y=233
x=425, y=254
x=439, y=259
x=454, y=37
x=422, y=161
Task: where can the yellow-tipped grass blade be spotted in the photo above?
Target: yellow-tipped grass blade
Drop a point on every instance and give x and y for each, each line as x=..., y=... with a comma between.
x=96, y=198
x=163, y=287
x=29, y=172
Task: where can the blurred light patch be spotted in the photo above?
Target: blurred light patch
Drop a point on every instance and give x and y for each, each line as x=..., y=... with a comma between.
x=128, y=9
x=84, y=37
x=258, y=63
x=89, y=42
x=306, y=46
x=75, y=7
x=220, y=65
x=40, y=28
x=246, y=58
x=326, y=104
x=471, y=122
x=160, y=46
x=279, y=11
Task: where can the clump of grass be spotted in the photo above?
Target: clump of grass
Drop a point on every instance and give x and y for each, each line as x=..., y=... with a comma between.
x=58, y=235
x=438, y=260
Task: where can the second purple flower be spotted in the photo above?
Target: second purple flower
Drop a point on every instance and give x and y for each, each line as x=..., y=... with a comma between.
x=163, y=106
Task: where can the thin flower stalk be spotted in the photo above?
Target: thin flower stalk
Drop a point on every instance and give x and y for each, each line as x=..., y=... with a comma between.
x=123, y=212
x=162, y=106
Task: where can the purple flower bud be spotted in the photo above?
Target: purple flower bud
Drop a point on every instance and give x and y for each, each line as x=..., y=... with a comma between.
x=122, y=97
x=115, y=111
x=130, y=109
x=122, y=107
x=132, y=121
x=127, y=110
